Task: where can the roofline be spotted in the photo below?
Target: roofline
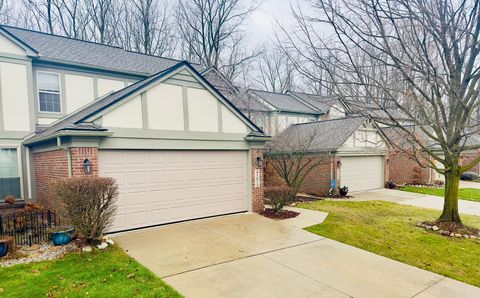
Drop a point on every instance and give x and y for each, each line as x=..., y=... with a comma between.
x=335, y=119
x=31, y=52
x=305, y=102
x=65, y=133
x=283, y=110
x=213, y=68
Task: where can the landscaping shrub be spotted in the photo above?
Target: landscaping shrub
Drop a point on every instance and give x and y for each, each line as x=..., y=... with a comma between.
x=278, y=196
x=89, y=204
x=469, y=176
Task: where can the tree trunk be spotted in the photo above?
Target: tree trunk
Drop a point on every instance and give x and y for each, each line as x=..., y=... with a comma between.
x=450, y=206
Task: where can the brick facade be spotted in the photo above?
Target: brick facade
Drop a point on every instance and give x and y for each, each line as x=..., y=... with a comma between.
x=402, y=168
x=317, y=182
x=257, y=192
x=469, y=157
x=53, y=165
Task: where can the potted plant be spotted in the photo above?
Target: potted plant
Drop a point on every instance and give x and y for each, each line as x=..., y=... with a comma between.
x=390, y=184
x=61, y=235
x=6, y=244
x=343, y=190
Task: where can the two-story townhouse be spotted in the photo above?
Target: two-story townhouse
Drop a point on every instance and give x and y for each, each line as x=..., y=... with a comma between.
x=70, y=107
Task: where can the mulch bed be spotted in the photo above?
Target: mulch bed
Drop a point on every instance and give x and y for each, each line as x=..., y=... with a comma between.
x=283, y=214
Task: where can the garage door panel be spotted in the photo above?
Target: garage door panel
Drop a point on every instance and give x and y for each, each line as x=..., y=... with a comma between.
x=163, y=186
x=362, y=172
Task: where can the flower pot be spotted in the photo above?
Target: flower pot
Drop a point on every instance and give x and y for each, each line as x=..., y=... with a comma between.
x=3, y=249
x=62, y=237
x=343, y=193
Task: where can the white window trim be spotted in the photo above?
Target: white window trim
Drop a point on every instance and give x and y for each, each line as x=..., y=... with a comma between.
x=59, y=92
x=19, y=162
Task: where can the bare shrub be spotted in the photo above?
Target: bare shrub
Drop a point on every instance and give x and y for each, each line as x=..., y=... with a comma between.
x=89, y=204
x=278, y=196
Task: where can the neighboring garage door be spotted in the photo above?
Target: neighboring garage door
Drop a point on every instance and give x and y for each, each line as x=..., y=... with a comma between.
x=158, y=187
x=362, y=172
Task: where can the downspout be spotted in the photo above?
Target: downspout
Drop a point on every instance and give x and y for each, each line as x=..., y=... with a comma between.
x=332, y=181
x=69, y=155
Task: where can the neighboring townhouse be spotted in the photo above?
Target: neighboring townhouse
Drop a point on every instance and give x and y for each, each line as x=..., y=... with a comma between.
x=177, y=147
x=351, y=152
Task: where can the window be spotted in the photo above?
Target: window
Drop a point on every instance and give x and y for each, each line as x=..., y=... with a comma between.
x=49, y=92
x=9, y=173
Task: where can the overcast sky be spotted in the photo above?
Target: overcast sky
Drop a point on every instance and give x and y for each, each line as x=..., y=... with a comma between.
x=262, y=21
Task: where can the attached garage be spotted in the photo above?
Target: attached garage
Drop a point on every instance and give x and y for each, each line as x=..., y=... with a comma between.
x=158, y=187
x=362, y=172
x=177, y=148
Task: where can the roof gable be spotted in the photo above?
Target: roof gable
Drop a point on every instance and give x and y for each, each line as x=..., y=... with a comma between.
x=114, y=100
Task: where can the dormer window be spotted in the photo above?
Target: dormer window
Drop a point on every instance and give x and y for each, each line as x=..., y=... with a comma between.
x=49, y=92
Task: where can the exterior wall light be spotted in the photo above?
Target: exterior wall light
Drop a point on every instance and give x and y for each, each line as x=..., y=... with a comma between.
x=260, y=161
x=87, y=167
x=339, y=163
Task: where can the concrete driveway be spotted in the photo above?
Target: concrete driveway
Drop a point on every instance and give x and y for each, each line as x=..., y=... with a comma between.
x=248, y=255
x=415, y=199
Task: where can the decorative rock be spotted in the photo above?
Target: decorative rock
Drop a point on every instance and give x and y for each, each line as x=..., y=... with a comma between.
x=466, y=236
x=458, y=235
x=446, y=233
x=452, y=234
x=473, y=237
x=105, y=238
x=110, y=241
x=419, y=224
x=435, y=228
x=102, y=245
x=87, y=249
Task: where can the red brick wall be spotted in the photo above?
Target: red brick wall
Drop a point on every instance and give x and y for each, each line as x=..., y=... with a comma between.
x=53, y=165
x=257, y=192
x=49, y=166
x=317, y=182
x=404, y=169
x=469, y=157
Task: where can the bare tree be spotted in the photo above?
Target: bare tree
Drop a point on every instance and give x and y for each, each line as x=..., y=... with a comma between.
x=104, y=19
x=152, y=28
x=39, y=14
x=212, y=33
x=275, y=71
x=417, y=57
x=292, y=155
x=73, y=18
x=7, y=12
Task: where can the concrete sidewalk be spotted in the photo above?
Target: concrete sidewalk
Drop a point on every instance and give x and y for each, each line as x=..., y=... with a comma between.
x=248, y=255
x=415, y=199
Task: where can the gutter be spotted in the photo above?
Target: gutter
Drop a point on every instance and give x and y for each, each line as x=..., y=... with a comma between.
x=69, y=133
x=69, y=155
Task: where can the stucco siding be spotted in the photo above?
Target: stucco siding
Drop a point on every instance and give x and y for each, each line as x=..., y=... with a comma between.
x=165, y=107
x=231, y=123
x=202, y=110
x=8, y=47
x=105, y=86
x=78, y=91
x=127, y=115
x=15, y=107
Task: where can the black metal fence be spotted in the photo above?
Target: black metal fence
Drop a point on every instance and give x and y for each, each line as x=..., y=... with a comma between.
x=28, y=227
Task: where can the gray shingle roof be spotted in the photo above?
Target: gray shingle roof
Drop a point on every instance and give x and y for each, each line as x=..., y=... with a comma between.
x=328, y=135
x=322, y=103
x=284, y=102
x=64, y=49
x=241, y=100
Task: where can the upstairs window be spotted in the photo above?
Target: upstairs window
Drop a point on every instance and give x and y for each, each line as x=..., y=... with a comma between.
x=49, y=92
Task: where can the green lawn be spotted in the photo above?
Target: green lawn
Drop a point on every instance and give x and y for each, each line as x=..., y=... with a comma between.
x=109, y=273
x=388, y=229
x=469, y=194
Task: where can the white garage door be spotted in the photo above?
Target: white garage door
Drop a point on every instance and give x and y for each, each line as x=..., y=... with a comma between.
x=362, y=172
x=159, y=187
